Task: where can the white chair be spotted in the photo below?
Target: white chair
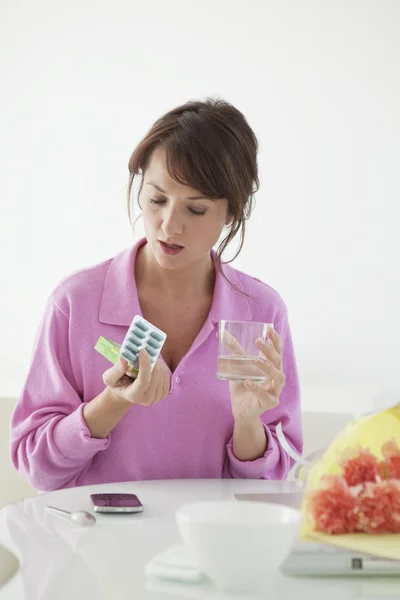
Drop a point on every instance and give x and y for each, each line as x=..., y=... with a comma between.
x=12, y=487
x=319, y=429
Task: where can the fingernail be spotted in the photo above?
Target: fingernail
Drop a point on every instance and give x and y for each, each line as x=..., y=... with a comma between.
x=260, y=360
x=249, y=383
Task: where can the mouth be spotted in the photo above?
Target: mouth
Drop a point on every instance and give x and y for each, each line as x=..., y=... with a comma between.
x=171, y=249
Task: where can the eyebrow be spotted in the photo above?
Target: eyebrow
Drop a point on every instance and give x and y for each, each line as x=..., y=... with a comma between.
x=201, y=197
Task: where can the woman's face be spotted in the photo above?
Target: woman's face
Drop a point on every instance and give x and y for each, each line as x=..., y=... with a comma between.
x=181, y=225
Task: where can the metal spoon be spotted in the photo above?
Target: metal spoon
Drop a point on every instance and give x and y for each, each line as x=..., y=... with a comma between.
x=80, y=517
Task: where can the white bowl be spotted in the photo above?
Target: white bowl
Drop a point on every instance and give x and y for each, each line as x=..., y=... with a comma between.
x=240, y=545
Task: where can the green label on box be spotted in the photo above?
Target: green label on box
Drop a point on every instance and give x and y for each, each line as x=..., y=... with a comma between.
x=110, y=351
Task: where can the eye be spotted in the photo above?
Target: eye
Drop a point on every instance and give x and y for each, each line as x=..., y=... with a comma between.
x=199, y=213
x=158, y=201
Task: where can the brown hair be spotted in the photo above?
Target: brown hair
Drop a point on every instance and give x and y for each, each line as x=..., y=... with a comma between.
x=210, y=147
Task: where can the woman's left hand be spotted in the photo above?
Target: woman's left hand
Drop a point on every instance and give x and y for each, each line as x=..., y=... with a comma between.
x=251, y=399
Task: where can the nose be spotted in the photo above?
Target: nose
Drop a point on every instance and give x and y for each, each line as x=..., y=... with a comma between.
x=172, y=222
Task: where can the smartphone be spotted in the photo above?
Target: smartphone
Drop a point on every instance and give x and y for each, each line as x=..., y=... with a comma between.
x=116, y=503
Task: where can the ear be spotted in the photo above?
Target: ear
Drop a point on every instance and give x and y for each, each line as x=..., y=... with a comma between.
x=229, y=221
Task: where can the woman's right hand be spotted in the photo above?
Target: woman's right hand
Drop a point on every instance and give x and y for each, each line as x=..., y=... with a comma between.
x=149, y=386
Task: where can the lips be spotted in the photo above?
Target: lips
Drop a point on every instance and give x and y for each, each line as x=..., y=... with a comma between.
x=171, y=245
x=170, y=249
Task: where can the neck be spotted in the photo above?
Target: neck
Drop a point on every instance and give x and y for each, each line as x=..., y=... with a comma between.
x=194, y=280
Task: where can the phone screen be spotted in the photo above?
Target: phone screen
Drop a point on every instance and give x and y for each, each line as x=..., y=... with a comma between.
x=116, y=503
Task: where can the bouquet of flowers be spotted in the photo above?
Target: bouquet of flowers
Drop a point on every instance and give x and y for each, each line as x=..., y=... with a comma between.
x=364, y=497
x=354, y=488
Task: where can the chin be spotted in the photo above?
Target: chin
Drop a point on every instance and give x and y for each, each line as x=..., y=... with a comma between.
x=171, y=264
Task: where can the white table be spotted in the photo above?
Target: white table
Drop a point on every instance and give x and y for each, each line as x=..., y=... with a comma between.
x=60, y=561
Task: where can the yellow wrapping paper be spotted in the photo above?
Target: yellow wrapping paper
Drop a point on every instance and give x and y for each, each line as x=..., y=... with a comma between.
x=369, y=432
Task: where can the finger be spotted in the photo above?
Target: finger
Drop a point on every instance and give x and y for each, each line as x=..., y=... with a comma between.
x=265, y=386
x=155, y=389
x=144, y=376
x=115, y=373
x=229, y=340
x=269, y=368
x=166, y=383
x=162, y=389
x=159, y=369
x=272, y=387
x=267, y=348
x=265, y=399
x=275, y=339
x=156, y=385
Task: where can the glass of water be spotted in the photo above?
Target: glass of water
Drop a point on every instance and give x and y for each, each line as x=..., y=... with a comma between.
x=237, y=350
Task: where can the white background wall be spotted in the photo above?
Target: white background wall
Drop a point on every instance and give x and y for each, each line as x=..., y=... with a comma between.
x=319, y=81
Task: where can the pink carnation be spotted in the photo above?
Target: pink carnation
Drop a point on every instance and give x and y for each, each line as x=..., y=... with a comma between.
x=333, y=507
x=359, y=466
x=366, y=498
x=378, y=507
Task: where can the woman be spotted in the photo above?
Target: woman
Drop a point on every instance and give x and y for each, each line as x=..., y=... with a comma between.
x=79, y=422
